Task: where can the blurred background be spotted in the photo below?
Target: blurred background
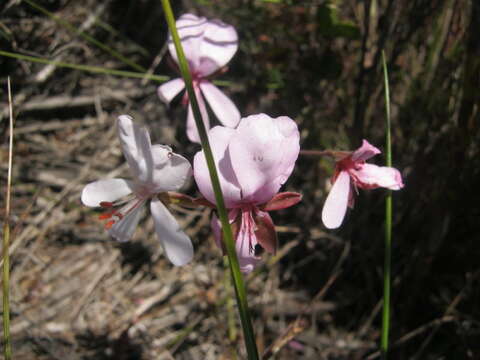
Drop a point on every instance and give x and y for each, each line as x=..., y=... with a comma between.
x=77, y=294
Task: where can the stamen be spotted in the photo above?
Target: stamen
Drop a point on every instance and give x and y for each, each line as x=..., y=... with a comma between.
x=117, y=215
x=106, y=215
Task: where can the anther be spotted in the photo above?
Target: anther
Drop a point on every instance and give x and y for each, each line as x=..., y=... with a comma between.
x=109, y=224
x=106, y=215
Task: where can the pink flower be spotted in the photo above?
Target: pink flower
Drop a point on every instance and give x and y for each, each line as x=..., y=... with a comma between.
x=351, y=173
x=253, y=162
x=208, y=46
x=155, y=169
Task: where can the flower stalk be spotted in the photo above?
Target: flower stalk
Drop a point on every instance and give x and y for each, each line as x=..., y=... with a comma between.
x=240, y=292
x=7, y=349
x=388, y=225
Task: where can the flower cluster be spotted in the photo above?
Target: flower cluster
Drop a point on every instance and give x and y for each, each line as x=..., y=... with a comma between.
x=254, y=156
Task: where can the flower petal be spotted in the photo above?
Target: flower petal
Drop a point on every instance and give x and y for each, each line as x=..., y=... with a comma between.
x=208, y=44
x=370, y=176
x=108, y=190
x=219, y=44
x=245, y=242
x=167, y=91
x=219, y=138
x=124, y=228
x=190, y=29
x=335, y=206
x=365, y=152
x=264, y=151
x=170, y=170
x=192, y=132
x=136, y=145
x=224, y=109
x=176, y=244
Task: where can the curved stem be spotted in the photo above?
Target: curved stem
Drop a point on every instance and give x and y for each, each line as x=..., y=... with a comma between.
x=240, y=292
x=388, y=226
x=7, y=350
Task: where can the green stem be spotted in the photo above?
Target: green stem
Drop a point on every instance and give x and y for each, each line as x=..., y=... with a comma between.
x=92, y=69
x=86, y=37
x=7, y=350
x=388, y=225
x=240, y=292
x=230, y=304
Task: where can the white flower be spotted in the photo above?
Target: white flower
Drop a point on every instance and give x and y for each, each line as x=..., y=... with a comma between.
x=155, y=169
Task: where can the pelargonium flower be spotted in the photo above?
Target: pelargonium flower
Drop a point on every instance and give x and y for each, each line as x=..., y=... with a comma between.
x=208, y=46
x=351, y=173
x=253, y=161
x=155, y=169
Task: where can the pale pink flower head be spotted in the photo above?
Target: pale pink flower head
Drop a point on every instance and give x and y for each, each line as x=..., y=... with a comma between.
x=352, y=173
x=155, y=169
x=253, y=161
x=208, y=46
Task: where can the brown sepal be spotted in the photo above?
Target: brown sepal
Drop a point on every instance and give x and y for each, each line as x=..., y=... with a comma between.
x=171, y=197
x=204, y=202
x=265, y=232
x=282, y=201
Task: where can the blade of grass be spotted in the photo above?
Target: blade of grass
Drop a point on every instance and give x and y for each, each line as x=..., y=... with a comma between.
x=388, y=225
x=86, y=37
x=238, y=283
x=7, y=350
x=98, y=69
x=88, y=68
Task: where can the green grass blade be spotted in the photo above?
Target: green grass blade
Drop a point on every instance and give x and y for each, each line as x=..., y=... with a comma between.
x=7, y=350
x=88, y=68
x=239, y=285
x=86, y=37
x=388, y=225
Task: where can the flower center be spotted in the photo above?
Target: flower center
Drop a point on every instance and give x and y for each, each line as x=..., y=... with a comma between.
x=196, y=79
x=248, y=226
